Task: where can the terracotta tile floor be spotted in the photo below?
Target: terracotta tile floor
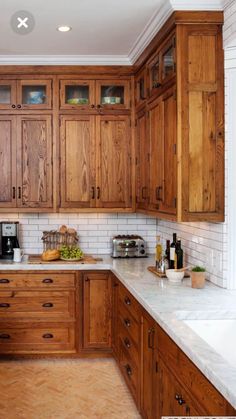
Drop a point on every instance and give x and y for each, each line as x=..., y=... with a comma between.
x=64, y=389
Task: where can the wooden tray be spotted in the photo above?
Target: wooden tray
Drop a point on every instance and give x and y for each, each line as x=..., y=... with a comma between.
x=154, y=270
x=87, y=259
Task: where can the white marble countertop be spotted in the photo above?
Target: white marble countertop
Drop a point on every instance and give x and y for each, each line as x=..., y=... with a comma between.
x=170, y=305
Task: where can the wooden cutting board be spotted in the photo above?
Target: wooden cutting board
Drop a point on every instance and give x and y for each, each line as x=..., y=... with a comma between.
x=154, y=270
x=87, y=259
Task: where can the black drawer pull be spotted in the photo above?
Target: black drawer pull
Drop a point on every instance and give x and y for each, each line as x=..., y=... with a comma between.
x=4, y=281
x=5, y=336
x=48, y=305
x=127, y=301
x=181, y=401
x=128, y=370
x=127, y=343
x=47, y=336
x=5, y=305
x=127, y=322
x=47, y=281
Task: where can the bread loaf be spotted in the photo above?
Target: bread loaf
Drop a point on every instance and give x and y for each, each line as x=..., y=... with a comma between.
x=51, y=254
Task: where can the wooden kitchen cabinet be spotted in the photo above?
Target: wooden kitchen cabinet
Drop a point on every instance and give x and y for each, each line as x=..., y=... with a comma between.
x=95, y=162
x=142, y=160
x=25, y=94
x=113, y=162
x=163, y=158
x=26, y=153
x=77, y=161
x=148, y=367
x=113, y=94
x=77, y=94
x=97, y=311
x=141, y=88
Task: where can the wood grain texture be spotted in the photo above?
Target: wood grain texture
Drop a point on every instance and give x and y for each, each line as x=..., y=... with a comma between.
x=113, y=162
x=34, y=161
x=77, y=156
x=97, y=311
x=142, y=160
x=7, y=161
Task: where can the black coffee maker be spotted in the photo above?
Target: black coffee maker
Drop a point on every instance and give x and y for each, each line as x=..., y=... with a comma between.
x=8, y=239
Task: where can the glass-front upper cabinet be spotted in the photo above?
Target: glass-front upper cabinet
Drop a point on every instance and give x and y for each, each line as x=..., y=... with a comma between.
x=34, y=94
x=77, y=94
x=113, y=94
x=7, y=94
x=162, y=66
x=140, y=88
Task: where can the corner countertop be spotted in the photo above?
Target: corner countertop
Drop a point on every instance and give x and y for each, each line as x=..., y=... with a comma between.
x=169, y=305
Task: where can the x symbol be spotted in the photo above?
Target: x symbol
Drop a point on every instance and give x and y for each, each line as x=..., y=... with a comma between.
x=22, y=22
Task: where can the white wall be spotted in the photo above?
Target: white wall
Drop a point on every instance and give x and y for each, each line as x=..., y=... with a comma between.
x=94, y=230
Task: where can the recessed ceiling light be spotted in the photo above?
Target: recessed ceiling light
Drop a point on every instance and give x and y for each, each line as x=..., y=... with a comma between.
x=64, y=28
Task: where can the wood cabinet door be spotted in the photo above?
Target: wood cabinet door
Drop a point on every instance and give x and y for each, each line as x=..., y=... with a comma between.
x=148, y=345
x=7, y=161
x=34, y=94
x=77, y=161
x=173, y=398
x=7, y=94
x=156, y=134
x=115, y=316
x=113, y=94
x=113, y=161
x=34, y=161
x=142, y=161
x=168, y=190
x=77, y=94
x=97, y=297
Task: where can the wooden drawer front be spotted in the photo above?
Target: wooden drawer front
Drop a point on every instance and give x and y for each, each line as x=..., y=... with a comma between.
x=128, y=343
x=37, y=280
x=37, y=303
x=129, y=323
x=37, y=339
x=130, y=373
x=129, y=302
x=212, y=402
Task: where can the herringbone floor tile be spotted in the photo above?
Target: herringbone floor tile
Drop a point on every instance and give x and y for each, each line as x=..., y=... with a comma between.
x=64, y=389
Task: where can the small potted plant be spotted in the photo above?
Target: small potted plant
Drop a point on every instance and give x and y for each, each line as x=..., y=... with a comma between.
x=198, y=277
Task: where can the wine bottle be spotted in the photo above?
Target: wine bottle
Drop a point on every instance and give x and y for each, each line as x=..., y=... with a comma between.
x=179, y=255
x=158, y=252
x=167, y=252
x=172, y=252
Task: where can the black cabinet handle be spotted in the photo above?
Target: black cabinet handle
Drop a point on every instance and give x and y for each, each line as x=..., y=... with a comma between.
x=14, y=192
x=93, y=192
x=48, y=305
x=150, y=338
x=143, y=192
x=92, y=106
x=127, y=301
x=47, y=336
x=13, y=106
x=127, y=343
x=5, y=336
x=156, y=84
x=98, y=192
x=4, y=281
x=128, y=370
x=18, y=106
x=127, y=322
x=158, y=196
x=5, y=305
x=181, y=401
x=47, y=281
x=98, y=106
x=19, y=192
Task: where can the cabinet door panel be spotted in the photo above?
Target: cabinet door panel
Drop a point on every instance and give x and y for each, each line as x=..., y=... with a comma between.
x=7, y=161
x=77, y=149
x=34, y=94
x=156, y=132
x=113, y=162
x=169, y=187
x=142, y=169
x=97, y=311
x=7, y=94
x=148, y=330
x=34, y=159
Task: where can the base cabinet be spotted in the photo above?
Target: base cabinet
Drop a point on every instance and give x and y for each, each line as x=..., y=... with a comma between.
x=96, y=300
x=148, y=366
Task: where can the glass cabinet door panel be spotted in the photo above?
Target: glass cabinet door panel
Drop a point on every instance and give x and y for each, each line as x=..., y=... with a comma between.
x=155, y=74
x=34, y=94
x=113, y=94
x=76, y=94
x=168, y=60
x=142, y=88
x=7, y=94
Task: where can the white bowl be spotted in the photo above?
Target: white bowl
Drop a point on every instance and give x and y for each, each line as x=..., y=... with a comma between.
x=174, y=276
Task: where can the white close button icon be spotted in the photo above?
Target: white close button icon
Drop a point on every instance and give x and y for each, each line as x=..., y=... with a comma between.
x=22, y=22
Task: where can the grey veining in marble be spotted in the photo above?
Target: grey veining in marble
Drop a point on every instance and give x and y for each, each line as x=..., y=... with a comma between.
x=170, y=305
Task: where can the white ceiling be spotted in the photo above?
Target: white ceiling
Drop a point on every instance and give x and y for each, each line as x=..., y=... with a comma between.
x=103, y=31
